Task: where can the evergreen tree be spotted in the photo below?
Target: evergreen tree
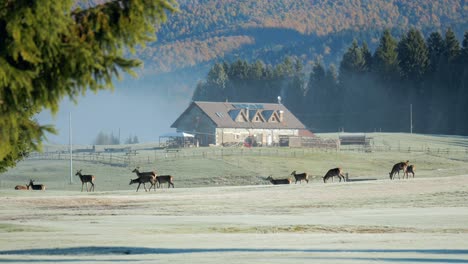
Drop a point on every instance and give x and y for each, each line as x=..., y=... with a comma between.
x=367, y=55
x=353, y=62
x=435, y=47
x=413, y=56
x=385, y=59
x=48, y=50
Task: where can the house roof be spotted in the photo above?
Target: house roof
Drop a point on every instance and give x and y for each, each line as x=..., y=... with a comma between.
x=223, y=116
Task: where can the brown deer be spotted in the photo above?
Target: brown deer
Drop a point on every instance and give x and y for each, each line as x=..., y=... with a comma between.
x=163, y=179
x=335, y=172
x=144, y=179
x=278, y=181
x=410, y=169
x=85, y=179
x=397, y=168
x=300, y=177
x=38, y=187
x=22, y=187
x=148, y=173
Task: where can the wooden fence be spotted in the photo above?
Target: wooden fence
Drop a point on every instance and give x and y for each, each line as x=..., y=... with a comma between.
x=148, y=157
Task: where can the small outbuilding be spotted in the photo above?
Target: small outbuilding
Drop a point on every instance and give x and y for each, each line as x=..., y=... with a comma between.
x=177, y=140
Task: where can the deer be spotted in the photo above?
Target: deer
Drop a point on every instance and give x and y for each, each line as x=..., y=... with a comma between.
x=22, y=187
x=144, y=179
x=148, y=173
x=163, y=179
x=335, y=172
x=300, y=177
x=38, y=187
x=278, y=181
x=397, y=168
x=410, y=169
x=85, y=179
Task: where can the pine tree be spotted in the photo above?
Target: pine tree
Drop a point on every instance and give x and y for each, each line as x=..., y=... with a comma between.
x=435, y=47
x=413, y=56
x=385, y=59
x=48, y=51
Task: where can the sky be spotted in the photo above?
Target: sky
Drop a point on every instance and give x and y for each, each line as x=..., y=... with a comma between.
x=134, y=111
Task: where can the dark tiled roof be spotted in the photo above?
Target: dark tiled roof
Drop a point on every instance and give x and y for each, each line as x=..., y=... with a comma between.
x=225, y=120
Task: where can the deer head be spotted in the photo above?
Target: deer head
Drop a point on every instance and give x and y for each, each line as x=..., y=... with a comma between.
x=78, y=173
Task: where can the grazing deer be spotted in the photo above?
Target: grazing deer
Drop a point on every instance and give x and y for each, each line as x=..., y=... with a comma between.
x=85, y=179
x=397, y=168
x=39, y=187
x=144, y=179
x=335, y=172
x=278, y=181
x=22, y=187
x=410, y=169
x=300, y=177
x=163, y=179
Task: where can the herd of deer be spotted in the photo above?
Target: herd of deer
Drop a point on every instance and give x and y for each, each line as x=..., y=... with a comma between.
x=143, y=178
x=338, y=172
x=155, y=180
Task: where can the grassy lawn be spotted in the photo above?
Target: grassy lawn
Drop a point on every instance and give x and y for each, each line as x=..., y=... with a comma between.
x=446, y=156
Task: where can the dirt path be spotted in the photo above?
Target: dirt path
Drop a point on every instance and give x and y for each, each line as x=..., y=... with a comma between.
x=413, y=221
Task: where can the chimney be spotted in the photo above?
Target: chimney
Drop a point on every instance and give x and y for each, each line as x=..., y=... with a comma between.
x=281, y=115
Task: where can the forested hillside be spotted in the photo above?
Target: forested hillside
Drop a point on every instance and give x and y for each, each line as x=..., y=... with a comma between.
x=206, y=30
x=373, y=91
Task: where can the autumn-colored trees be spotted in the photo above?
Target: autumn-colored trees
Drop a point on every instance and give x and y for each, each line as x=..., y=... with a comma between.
x=372, y=92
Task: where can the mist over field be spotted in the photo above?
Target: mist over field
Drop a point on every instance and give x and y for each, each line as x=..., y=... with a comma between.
x=135, y=107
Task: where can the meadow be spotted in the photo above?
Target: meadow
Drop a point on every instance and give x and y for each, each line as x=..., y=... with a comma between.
x=223, y=211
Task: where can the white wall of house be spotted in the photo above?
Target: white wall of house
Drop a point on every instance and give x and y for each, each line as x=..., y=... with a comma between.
x=264, y=136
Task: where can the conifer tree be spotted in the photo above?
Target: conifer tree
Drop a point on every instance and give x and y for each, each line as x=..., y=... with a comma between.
x=49, y=51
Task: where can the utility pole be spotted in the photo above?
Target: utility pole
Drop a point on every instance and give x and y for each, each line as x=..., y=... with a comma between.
x=71, y=151
x=411, y=118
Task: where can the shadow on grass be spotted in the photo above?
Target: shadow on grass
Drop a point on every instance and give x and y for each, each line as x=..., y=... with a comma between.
x=86, y=251
x=362, y=179
x=106, y=251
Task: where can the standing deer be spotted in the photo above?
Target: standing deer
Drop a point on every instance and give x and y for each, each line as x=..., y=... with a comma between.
x=22, y=187
x=397, y=168
x=148, y=173
x=163, y=179
x=144, y=179
x=85, y=179
x=39, y=187
x=410, y=169
x=335, y=172
x=300, y=177
x=278, y=181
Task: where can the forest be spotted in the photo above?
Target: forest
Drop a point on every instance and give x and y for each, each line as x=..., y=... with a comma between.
x=210, y=30
x=417, y=77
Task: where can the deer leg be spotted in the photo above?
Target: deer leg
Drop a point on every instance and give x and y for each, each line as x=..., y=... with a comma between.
x=92, y=186
x=82, y=186
x=144, y=185
x=138, y=186
x=87, y=187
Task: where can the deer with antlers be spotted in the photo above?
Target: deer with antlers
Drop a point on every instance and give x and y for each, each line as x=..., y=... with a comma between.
x=37, y=187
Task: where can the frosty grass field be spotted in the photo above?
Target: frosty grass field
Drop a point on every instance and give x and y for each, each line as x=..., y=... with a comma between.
x=223, y=211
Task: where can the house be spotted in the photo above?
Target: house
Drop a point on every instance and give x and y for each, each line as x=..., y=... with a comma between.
x=223, y=123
